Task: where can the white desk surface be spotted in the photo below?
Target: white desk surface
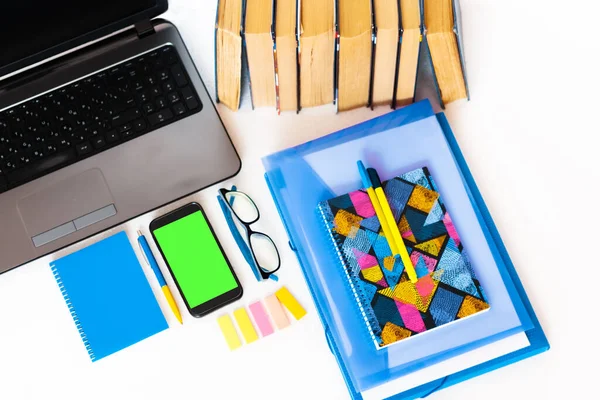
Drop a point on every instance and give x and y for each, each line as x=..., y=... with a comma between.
x=531, y=139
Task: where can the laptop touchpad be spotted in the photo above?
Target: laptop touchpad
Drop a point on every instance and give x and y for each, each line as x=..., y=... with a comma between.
x=71, y=204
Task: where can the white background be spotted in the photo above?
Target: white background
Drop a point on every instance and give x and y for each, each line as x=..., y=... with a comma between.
x=530, y=137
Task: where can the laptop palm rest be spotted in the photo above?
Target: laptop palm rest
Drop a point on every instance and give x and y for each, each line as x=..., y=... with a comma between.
x=67, y=206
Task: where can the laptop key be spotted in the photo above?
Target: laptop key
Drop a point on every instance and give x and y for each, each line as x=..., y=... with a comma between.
x=139, y=125
x=128, y=134
x=62, y=143
x=112, y=136
x=50, y=148
x=163, y=75
x=126, y=117
x=179, y=76
x=191, y=103
x=188, y=97
x=33, y=170
x=159, y=63
x=130, y=101
x=83, y=148
x=160, y=117
x=149, y=108
x=78, y=137
x=144, y=97
x=123, y=128
x=38, y=153
x=25, y=159
x=10, y=165
x=98, y=142
x=169, y=55
x=155, y=91
x=161, y=102
x=179, y=109
x=168, y=86
x=93, y=131
x=173, y=97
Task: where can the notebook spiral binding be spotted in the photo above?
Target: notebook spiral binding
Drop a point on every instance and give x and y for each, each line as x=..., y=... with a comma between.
x=359, y=295
x=65, y=295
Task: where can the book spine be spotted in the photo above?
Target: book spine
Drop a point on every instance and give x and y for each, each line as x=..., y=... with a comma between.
x=421, y=44
x=336, y=56
x=458, y=33
x=216, y=64
x=374, y=32
x=298, y=51
x=245, y=64
x=398, y=48
x=362, y=302
x=275, y=61
x=73, y=312
x=425, y=45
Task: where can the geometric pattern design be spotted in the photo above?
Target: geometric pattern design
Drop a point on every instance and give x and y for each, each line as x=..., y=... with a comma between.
x=392, y=333
x=447, y=288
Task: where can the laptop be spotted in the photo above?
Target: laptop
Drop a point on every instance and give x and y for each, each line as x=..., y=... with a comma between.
x=103, y=117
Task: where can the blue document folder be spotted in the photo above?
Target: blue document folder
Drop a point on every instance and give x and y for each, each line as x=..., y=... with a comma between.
x=108, y=295
x=301, y=177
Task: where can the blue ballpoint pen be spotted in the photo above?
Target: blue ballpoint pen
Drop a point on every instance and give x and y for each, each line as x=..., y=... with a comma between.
x=159, y=276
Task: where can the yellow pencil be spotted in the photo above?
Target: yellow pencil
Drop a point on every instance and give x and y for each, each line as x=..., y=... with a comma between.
x=382, y=219
x=393, y=227
x=378, y=211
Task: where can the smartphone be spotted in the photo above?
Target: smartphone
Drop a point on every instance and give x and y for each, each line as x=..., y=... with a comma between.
x=195, y=258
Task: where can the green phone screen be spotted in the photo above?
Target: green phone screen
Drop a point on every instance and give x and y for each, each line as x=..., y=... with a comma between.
x=195, y=258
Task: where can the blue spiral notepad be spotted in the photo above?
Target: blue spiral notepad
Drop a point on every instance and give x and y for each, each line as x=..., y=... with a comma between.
x=108, y=295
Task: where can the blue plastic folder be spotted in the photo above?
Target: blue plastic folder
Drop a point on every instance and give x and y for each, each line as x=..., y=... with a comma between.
x=409, y=138
x=109, y=298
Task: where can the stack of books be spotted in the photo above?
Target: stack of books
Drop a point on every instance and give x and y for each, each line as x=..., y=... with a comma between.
x=353, y=53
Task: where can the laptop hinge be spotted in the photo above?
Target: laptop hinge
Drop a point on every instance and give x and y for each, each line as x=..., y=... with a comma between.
x=144, y=28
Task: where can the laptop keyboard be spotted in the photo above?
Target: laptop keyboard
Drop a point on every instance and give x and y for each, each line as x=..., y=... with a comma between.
x=93, y=115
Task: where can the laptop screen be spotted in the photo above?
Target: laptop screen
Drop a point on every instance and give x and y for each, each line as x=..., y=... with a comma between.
x=30, y=27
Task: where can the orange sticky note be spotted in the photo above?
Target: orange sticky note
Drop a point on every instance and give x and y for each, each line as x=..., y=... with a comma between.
x=229, y=332
x=290, y=302
x=245, y=325
x=277, y=313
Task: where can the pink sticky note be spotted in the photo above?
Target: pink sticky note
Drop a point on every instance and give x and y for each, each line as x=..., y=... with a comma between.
x=278, y=314
x=261, y=318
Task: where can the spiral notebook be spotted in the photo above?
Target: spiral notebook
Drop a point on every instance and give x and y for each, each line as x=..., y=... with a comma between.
x=108, y=295
x=393, y=307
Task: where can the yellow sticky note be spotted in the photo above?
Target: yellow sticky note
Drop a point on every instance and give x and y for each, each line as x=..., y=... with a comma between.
x=290, y=302
x=231, y=336
x=245, y=325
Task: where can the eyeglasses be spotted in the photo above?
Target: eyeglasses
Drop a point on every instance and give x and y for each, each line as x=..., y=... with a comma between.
x=258, y=249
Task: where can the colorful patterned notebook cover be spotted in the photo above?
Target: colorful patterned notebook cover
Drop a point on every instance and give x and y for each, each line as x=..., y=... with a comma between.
x=393, y=307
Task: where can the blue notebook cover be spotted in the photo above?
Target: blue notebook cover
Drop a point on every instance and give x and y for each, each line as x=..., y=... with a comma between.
x=304, y=174
x=108, y=295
